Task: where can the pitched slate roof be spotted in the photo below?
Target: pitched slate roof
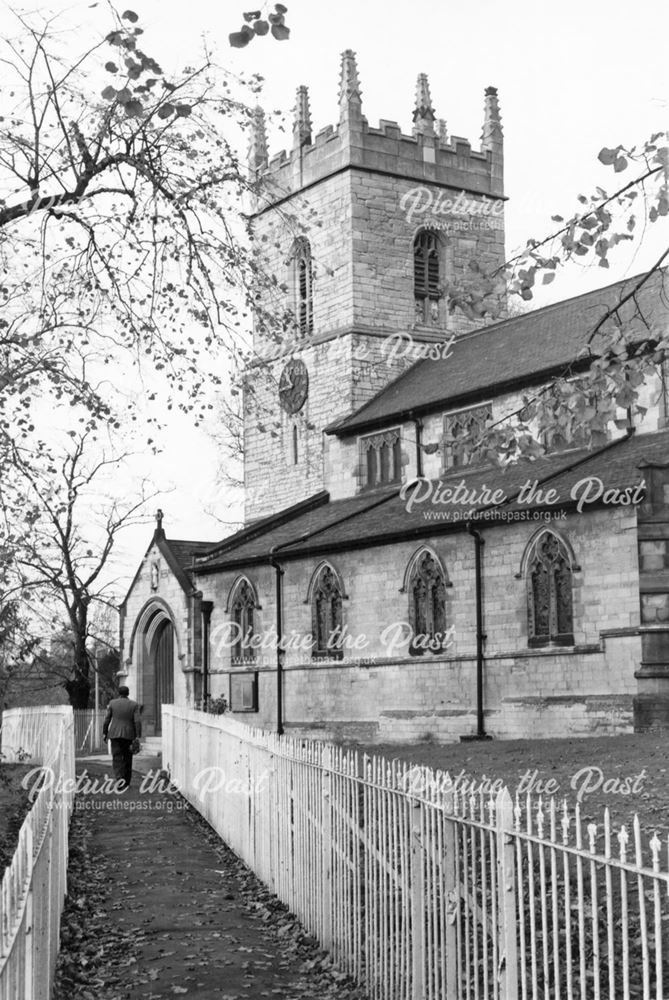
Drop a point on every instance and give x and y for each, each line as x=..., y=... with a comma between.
x=514, y=352
x=183, y=550
x=277, y=530
x=381, y=517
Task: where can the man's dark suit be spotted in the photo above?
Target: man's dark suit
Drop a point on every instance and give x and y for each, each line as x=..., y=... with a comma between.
x=122, y=724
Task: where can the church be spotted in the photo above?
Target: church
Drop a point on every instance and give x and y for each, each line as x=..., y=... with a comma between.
x=390, y=582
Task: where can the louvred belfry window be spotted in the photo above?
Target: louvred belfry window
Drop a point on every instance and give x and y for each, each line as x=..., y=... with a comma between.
x=549, y=593
x=304, y=288
x=427, y=606
x=326, y=615
x=426, y=276
x=243, y=608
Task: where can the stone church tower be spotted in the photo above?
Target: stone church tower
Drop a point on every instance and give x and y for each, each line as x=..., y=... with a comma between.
x=365, y=229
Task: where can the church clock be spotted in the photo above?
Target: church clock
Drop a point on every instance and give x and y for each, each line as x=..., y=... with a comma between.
x=294, y=386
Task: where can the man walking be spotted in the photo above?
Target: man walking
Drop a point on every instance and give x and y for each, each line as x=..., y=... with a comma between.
x=122, y=725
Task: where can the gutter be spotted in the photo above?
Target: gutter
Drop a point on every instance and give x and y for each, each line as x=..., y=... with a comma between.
x=419, y=444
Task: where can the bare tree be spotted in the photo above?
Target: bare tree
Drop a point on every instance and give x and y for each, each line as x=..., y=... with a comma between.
x=63, y=564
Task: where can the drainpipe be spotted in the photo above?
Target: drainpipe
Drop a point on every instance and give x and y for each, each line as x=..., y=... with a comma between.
x=206, y=608
x=480, y=634
x=419, y=446
x=279, y=640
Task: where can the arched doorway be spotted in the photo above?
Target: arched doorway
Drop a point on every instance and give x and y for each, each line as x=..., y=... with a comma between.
x=155, y=651
x=161, y=659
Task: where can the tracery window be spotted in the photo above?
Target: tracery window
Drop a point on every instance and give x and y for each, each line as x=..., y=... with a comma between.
x=242, y=609
x=462, y=433
x=426, y=276
x=382, y=458
x=549, y=592
x=326, y=615
x=304, y=287
x=427, y=606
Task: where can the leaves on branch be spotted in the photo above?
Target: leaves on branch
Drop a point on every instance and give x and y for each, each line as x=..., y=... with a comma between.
x=256, y=24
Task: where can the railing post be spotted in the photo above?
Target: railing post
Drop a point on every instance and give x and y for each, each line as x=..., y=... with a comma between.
x=417, y=903
x=452, y=897
x=326, y=848
x=507, y=971
x=30, y=949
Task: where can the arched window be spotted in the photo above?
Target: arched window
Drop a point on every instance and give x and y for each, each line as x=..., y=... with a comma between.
x=426, y=586
x=549, y=592
x=304, y=287
x=326, y=615
x=426, y=276
x=242, y=613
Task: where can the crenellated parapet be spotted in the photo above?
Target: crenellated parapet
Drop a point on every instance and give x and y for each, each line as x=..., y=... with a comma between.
x=428, y=155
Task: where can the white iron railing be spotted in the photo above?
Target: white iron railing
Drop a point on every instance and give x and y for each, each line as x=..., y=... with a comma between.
x=35, y=883
x=423, y=893
x=88, y=731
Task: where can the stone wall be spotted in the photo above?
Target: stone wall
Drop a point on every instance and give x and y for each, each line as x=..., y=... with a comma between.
x=378, y=692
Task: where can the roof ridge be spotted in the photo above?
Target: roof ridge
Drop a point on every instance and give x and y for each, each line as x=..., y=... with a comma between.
x=189, y=541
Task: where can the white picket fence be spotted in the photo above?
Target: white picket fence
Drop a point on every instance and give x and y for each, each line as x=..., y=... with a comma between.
x=88, y=731
x=35, y=883
x=420, y=892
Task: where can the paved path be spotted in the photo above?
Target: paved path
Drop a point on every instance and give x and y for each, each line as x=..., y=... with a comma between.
x=178, y=913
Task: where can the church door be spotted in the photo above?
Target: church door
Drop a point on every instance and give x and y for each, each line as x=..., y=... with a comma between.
x=163, y=665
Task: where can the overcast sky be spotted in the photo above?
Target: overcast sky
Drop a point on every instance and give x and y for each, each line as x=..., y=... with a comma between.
x=572, y=77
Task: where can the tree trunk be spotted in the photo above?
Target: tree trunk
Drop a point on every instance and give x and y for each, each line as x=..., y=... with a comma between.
x=78, y=687
x=79, y=691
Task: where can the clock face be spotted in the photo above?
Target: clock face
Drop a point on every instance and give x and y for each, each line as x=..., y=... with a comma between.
x=294, y=386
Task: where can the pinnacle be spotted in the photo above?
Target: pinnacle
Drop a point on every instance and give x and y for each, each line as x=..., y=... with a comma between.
x=492, y=120
x=258, y=154
x=423, y=115
x=349, y=83
x=302, y=121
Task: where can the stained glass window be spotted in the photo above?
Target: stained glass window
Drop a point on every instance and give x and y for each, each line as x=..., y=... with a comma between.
x=549, y=592
x=326, y=615
x=427, y=606
x=242, y=612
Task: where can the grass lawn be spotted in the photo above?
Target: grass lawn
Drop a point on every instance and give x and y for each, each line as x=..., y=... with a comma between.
x=629, y=774
x=14, y=805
